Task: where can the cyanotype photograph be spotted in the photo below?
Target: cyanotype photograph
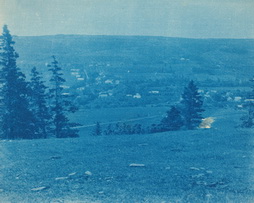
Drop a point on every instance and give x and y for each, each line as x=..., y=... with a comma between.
x=137, y=101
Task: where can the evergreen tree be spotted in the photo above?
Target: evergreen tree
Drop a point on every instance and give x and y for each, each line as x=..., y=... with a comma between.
x=97, y=130
x=155, y=128
x=17, y=119
x=2, y=81
x=39, y=105
x=137, y=129
x=109, y=130
x=173, y=120
x=248, y=120
x=61, y=104
x=191, y=106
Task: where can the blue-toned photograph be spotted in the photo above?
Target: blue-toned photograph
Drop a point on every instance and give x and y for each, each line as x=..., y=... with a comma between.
x=137, y=101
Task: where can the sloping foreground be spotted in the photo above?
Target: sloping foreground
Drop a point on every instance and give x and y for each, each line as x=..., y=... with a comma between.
x=206, y=165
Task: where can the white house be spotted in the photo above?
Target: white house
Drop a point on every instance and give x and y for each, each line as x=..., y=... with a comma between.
x=65, y=86
x=154, y=92
x=74, y=73
x=109, y=81
x=74, y=70
x=103, y=94
x=137, y=96
x=80, y=79
x=249, y=100
x=81, y=88
x=65, y=93
x=237, y=99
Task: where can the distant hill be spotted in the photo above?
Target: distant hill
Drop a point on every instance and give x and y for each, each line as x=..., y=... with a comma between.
x=220, y=58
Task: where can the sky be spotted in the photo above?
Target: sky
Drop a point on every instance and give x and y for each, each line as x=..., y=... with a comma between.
x=171, y=18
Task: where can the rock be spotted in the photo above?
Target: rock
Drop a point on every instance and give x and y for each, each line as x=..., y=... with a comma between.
x=137, y=165
x=39, y=188
x=168, y=168
x=194, y=168
x=209, y=195
x=72, y=174
x=209, y=172
x=61, y=178
x=88, y=173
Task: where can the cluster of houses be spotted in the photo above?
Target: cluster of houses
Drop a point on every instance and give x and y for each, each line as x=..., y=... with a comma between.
x=102, y=79
x=82, y=75
x=134, y=96
x=228, y=97
x=77, y=74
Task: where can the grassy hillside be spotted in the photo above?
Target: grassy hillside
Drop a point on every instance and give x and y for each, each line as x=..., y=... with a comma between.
x=211, y=165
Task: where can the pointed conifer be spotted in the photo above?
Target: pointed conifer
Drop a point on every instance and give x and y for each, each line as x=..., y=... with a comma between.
x=39, y=104
x=61, y=104
x=173, y=120
x=191, y=106
x=17, y=119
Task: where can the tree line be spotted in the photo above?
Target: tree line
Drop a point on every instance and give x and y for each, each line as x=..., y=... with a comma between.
x=30, y=110
x=187, y=115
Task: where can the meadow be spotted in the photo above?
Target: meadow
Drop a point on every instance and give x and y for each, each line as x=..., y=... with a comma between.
x=204, y=165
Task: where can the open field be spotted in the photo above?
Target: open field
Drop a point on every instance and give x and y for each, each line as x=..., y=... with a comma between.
x=90, y=116
x=131, y=115
x=206, y=165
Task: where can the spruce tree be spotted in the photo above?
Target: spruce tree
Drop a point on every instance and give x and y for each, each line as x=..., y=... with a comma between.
x=97, y=130
x=173, y=121
x=109, y=130
x=61, y=104
x=248, y=119
x=17, y=119
x=39, y=104
x=191, y=106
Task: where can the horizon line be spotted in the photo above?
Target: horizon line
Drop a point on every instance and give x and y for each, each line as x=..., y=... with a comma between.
x=159, y=36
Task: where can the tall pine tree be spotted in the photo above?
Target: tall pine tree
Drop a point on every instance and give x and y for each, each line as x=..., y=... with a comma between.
x=39, y=105
x=61, y=104
x=191, y=106
x=173, y=121
x=17, y=119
